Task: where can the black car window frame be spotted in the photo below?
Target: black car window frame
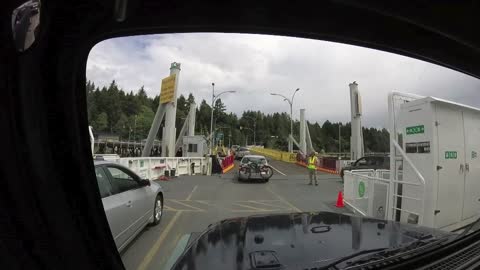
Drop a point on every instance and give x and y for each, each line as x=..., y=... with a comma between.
x=115, y=188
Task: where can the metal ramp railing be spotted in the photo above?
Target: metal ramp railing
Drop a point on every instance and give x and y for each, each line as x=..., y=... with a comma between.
x=382, y=193
x=368, y=193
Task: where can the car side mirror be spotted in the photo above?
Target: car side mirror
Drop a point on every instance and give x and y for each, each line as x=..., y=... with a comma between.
x=144, y=182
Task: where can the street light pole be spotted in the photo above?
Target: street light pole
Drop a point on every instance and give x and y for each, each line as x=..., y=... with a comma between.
x=254, y=131
x=339, y=141
x=254, y=128
x=290, y=102
x=246, y=135
x=128, y=143
x=211, y=119
x=290, y=143
x=135, y=128
x=211, y=115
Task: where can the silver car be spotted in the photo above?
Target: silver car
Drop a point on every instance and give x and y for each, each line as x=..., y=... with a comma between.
x=242, y=151
x=130, y=203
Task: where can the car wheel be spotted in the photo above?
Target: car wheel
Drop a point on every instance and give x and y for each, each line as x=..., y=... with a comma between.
x=157, y=210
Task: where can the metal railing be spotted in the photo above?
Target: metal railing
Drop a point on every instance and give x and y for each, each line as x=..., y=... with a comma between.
x=368, y=192
x=154, y=167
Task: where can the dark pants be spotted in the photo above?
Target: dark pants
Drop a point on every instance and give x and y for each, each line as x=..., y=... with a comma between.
x=312, y=174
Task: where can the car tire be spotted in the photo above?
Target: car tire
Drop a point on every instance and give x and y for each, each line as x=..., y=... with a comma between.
x=157, y=213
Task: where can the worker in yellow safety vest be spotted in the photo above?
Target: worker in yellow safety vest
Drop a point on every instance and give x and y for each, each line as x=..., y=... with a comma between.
x=312, y=167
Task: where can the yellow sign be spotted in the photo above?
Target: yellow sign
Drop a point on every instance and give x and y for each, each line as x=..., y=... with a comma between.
x=167, y=93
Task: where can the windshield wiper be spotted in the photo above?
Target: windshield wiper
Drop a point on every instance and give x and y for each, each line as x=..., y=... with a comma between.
x=383, y=254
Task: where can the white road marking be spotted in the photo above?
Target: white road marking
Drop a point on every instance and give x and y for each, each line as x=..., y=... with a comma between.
x=191, y=193
x=276, y=170
x=283, y=200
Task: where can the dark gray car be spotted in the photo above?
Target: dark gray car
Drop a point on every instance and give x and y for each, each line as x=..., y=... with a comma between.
x=130, y=203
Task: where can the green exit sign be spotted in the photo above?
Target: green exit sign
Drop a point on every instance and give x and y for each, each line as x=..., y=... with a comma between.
x=415, y=129
x=450, y=154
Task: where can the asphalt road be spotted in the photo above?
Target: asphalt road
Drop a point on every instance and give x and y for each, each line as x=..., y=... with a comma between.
x=194, y=202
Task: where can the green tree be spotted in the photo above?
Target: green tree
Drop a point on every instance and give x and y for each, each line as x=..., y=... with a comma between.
x=190, y=99
x=203, y=118
x=143, y=122
x=122, y=126
x=219, y=112
x=101, y=122
x=182, y=112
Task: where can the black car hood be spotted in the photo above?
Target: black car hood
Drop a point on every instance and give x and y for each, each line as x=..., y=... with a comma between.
x=293, y=241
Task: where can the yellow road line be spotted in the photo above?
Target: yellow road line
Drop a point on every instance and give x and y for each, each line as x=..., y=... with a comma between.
x=282, y=199
x=251, y=207
x=184, y=204
x=153, y=251
x=191, y=193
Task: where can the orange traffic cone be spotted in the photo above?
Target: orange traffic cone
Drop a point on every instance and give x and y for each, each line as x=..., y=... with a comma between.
x=340, y=200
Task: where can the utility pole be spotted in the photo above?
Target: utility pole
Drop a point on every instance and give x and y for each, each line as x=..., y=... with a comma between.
x=339, y=141
x=246, y=136
x=254, y=128
x=134, y=128
x=211, y=120
x=290, y=101
x=128, y=143
x=214, y=97
x=303, y=133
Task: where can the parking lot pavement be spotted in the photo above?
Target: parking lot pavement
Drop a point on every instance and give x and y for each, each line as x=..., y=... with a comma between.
x=194, y=202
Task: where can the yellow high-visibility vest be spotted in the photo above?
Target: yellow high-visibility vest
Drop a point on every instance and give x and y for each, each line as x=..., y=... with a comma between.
x=312, y=163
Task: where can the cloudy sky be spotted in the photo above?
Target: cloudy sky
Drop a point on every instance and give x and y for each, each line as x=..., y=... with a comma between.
x=256, y=65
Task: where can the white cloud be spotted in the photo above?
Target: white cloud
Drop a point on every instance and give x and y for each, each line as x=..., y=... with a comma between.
x=255, y=65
